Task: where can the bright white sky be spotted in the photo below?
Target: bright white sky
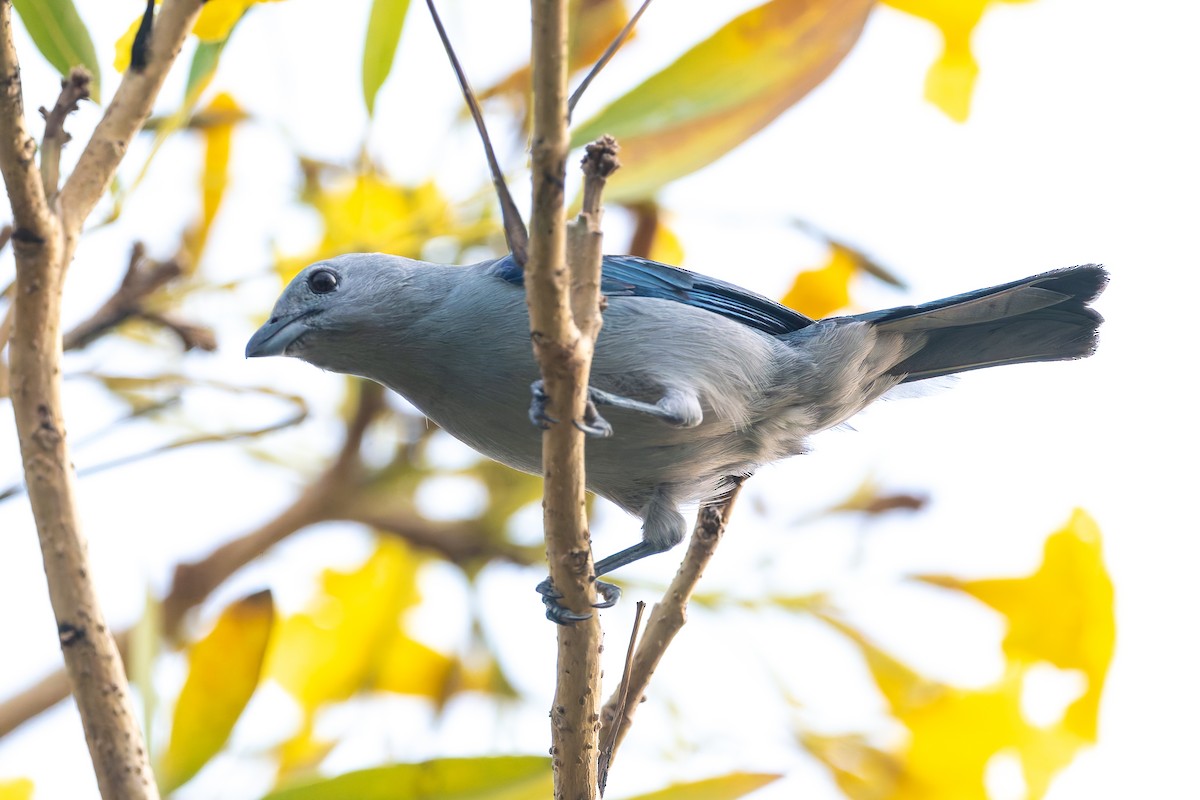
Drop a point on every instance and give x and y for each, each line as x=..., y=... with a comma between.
x=1082, y=147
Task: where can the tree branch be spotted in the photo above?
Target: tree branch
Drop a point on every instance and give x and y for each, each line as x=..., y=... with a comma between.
x=564, y=356
x=142, y=278
x=668, y=617
x=124, y=116
x=334, y=495
x=94, y=666
x=76, y=87
x=44, y=245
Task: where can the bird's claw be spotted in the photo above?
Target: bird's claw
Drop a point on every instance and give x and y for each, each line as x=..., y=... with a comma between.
x=538, y=414
x=592, y=423
x=559, y=614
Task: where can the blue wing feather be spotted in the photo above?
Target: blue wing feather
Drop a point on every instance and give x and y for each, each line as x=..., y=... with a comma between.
x=630, y=276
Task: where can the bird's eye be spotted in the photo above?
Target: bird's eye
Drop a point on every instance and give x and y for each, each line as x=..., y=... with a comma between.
x=323, y=281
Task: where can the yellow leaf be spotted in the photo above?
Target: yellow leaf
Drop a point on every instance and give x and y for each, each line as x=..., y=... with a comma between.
x=16, y=789
x=1062, y=614
x=221, y=115
x=484, y=778
x=721, y=787
x=666, y=247
x=125, y=46
x=330, y=652
x=723, y=91
x=951, y=79
x=409, y=667
x=218, y=17
x=819, y=292
x=862, y=771
x=953, y=734
x=368, y=213
x=223, y=672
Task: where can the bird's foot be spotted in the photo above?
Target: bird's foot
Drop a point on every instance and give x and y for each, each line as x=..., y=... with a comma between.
x=558, y=613
x=592, y=423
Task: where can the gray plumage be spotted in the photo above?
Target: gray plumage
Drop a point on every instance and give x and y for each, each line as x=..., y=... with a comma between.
x=736, y=380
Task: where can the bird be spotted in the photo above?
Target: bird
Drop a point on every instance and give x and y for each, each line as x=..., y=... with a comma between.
x=700, y=381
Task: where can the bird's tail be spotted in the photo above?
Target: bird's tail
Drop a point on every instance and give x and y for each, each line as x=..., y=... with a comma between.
x=1042, y=318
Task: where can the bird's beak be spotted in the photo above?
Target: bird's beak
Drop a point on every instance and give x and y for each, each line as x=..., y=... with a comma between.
x=276, y=335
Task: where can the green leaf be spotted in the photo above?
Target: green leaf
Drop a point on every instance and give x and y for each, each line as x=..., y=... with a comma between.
x=722, y=787
x=723, y=91
x=223, y=672
x=487, y=778
x=61, y=36
x=383, y=34
x=203, y=67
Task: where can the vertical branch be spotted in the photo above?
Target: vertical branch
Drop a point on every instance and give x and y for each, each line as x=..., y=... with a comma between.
x=44, y=242
x=564, y=356
x=94, y=666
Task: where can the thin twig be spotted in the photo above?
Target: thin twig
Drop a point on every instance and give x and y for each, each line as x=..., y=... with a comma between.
x=142, y=278
x=77, y=86
x=514, y=227
x=605, y=58
x=610, y=733
x=669, y=615
x=342, y=492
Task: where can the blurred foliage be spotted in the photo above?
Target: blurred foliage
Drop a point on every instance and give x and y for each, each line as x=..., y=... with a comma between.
x=352, y=640
x=61, y=36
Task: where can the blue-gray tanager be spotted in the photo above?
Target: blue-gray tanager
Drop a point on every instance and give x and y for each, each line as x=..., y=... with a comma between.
x=703, y=381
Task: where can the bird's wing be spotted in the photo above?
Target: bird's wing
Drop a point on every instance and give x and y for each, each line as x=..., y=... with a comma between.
x=630, y=276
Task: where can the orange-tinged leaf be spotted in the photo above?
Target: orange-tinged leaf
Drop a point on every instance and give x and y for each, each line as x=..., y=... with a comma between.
x=486, y=778
x=594, y=24
x=330, y=651
x=1062, y=614
x=223, y=672
x=721, y=787
x=16, y=789
x=819, y=292
x=723, y=91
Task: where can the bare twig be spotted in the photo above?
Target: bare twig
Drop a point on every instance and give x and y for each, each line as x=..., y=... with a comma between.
x=143, y=277
x=76, y=87
x=609, y=738
x=514, y=227
x=605, y=58
x=669, y=615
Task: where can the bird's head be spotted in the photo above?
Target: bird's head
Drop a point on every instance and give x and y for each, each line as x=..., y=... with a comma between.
x=333, y=309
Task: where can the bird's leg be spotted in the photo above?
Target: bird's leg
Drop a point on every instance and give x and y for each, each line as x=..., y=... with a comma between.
x=678, y=408
x=592, y=423
x=663, y=528
x=609, y=593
